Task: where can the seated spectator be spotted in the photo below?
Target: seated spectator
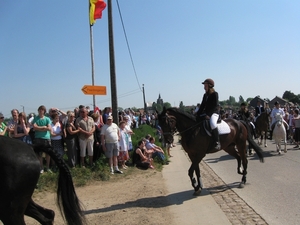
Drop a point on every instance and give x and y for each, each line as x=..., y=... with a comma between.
x=140, y=159
x=157, y=151
x=22, y=129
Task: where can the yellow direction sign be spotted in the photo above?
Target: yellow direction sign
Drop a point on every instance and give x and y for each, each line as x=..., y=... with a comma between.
x=94, y=90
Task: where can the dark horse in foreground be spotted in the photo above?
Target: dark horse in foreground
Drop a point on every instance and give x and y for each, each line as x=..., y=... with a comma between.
x=196, y=143
x=19, y=174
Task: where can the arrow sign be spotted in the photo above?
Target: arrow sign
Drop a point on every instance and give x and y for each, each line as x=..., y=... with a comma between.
x=94, y=90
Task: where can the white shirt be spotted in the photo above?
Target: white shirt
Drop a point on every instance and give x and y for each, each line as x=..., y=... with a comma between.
x=110, y=133
x=274, y=112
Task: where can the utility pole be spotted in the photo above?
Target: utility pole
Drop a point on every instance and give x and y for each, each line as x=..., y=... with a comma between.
x=145, y=105
x=113, y=82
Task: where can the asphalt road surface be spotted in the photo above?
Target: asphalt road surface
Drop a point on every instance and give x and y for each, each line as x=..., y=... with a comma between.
x=272, y=188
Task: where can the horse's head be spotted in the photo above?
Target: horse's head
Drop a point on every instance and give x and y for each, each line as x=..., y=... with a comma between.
x=167, y=124
x=279, y=119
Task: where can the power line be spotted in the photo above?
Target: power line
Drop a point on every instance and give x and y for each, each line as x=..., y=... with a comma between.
x=128, y=47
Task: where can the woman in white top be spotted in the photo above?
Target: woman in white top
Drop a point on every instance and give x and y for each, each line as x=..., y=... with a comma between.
x=56, y=135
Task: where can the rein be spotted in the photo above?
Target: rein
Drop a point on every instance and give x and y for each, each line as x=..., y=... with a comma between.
x=173, y=131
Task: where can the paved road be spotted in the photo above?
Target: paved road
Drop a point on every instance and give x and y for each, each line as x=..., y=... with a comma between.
x=217, y=204
x=273, y=187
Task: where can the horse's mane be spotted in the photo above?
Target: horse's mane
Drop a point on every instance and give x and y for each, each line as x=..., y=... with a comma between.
x=183, y=113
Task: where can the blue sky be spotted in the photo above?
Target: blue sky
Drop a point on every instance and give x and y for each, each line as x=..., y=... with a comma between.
x=248, y=47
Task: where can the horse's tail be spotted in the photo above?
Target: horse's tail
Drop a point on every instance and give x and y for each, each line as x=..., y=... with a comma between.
x=255, y=146
x=67, y=200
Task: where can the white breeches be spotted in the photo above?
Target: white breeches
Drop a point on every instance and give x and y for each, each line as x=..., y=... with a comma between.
x=213, y=120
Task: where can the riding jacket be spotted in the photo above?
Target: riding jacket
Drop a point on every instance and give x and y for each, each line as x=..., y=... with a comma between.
x=209, y=104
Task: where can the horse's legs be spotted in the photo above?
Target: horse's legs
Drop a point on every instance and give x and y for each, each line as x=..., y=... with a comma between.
x=284, y=141
x=231, y=151
x=191, y=175
x=197, y=185
x=42, y=215
x=265, y=136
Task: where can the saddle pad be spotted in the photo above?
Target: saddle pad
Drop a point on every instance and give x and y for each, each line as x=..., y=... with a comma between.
x=223, y=128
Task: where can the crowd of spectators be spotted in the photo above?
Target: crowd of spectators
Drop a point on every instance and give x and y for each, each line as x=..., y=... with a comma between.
x=84, y=136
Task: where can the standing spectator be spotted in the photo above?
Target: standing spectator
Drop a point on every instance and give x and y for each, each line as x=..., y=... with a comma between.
x=42, y=127
x=129, y=132
x=291, y=117
x=57, y=135
x=22, y=129
x=106, y=113
x=3, y=127
x=97, y=138
x=31, y=131
x=196, y=109
x=296, y=125
x=110, y=136
x=123, y=145
x=71, y=139
x=12, y=122
x=86, y=127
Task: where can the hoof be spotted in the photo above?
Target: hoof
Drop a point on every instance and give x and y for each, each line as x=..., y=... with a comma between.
x=197, y=193
x=242, y=185
x=285, y=150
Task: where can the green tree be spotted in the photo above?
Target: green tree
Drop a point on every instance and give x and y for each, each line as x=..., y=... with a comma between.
x=249, y=100
x=159, y=108
x=241, y=99
x=288, y=95
x=154, y=105
x=167, y=105
x=231, y=100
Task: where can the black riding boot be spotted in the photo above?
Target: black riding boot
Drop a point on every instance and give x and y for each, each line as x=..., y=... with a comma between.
x=215, y=136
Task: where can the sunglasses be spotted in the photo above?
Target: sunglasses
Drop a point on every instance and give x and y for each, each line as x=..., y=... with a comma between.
x=1, y=117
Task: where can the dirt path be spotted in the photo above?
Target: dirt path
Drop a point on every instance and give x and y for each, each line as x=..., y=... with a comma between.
x=137, y=198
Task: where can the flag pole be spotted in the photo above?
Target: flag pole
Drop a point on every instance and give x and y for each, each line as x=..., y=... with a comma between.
x=92, y=57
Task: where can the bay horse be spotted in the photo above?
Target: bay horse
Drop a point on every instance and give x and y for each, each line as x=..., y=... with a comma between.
x=19, y=174
x=197, y=143
x=262, y=127
x=279, y=133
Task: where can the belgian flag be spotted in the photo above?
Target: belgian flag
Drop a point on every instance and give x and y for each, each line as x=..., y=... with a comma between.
x=96, y=8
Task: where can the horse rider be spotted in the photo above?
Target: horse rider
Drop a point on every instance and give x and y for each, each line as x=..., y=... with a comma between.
x=209, y=109
x=244, y=114
x=258, y=109
x=277, y=110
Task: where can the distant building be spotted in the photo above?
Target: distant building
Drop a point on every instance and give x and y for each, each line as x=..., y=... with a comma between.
x=253, y=102
x=281, y=101
x=160, y=101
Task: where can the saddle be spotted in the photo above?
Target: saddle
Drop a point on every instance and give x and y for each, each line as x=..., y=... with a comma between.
x=205, y=128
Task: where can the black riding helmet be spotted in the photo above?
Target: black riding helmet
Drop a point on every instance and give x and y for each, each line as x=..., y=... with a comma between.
x=210, y=82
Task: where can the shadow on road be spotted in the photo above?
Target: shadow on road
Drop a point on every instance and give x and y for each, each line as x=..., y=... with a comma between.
x=151, y=202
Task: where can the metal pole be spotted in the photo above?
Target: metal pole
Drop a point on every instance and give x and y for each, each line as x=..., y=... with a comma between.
x=92, y=58
x=113, y=82
x=145, y=105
